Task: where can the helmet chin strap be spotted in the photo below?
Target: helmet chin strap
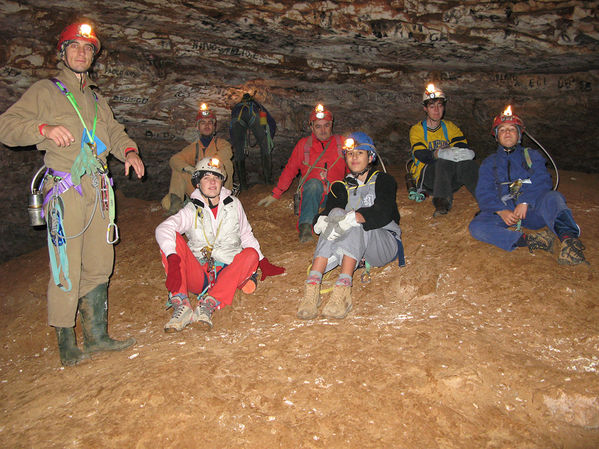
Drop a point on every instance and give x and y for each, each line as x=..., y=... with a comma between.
x=356, y=174
x=209, y=198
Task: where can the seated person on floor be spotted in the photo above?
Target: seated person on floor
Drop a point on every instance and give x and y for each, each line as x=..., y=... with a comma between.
x=183, y=163
x=514, y=190
x=442, y=161
x=360, y=223
x=319, y=161
x=220, y=256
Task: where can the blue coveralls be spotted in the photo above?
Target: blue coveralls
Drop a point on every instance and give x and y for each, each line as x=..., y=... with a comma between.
x=546, y=207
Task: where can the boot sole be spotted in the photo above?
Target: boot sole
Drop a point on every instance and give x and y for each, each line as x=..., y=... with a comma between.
x=338, y=317
x=203, y=325
x=123, y=345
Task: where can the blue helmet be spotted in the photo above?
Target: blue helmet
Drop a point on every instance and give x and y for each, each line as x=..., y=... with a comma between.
x=360, y=141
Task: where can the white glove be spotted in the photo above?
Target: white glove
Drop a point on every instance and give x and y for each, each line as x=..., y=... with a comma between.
x=321, y=224
x=455, y=154
x=189, y=169
x=333, y=231
x=348, y=221
x=267, y=201
x=462, y=154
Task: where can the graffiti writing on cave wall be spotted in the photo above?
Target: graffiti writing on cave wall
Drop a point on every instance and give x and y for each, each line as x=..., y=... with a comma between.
x=532, y=82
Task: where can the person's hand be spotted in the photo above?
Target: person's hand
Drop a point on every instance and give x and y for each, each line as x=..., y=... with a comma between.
x=189, y=169
x=321, y=224
x=455, y=154
x=58, y=134
x=267, y=201
x=173, y=273
x=333, y=232
x=462, y=154
x=508, y=217
x=133, y=160
x=269, y=269
x=348, y=221
x=520, y=211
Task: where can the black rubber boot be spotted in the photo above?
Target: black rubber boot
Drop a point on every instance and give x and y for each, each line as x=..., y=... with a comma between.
x=442, y=206
x=94, y=320
x=70, y=354
x=305, y=232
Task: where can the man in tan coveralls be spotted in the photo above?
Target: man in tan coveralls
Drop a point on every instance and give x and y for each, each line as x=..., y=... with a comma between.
x=68, y=119
x=183, y=163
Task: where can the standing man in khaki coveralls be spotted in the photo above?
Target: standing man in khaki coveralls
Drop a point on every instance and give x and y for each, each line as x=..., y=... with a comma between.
x=183, y=163
x=73, y=124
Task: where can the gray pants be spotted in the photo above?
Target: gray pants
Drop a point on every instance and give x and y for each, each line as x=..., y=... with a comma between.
x=378, y=246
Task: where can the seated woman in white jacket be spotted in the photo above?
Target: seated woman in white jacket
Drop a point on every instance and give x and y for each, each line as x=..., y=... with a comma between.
x=221, y=253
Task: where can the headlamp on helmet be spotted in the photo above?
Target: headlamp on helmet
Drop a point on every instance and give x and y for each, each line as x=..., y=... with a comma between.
x=205, y=112
x=83, y=31
x=208, y=165
x=432, y=93
x=507, y=117
x=320, y=113
x=359, y=141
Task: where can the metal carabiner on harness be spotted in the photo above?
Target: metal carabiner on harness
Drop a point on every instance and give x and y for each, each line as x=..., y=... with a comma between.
x=116, y=233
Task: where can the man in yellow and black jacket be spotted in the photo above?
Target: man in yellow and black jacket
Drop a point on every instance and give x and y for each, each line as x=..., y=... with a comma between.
x=442, y=161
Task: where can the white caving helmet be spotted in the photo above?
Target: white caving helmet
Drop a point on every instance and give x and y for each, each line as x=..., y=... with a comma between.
x=208, y=165
x=432, y=93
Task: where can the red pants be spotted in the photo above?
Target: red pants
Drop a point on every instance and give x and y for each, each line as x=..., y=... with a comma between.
x=194, y=275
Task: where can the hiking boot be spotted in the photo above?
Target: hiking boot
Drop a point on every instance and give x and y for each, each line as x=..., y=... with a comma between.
x=339, y=303
x=182, y=316
x=571, y=252
x=203, y=312
x=442, y=206
x=94, y=322
x=308, y=306
x=541, y=240
x=176, y=205
x=249, y=286
x=70, y=354
x=305, y=232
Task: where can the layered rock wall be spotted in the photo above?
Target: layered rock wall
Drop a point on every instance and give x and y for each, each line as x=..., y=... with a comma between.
x=367, y=61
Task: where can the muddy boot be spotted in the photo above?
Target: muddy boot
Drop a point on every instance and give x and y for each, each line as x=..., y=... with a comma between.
x=182, y=314
x=308, y=306
x=94, y=320
x=305, y=232
x=442, y=206
x=541, y=240
x=339, y=303
x=571, y=252
x=203, y=312
x=70, y=354
x=176, y=204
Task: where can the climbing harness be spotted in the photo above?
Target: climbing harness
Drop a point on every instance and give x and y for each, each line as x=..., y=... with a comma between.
x=86, y=162
x=248, y=105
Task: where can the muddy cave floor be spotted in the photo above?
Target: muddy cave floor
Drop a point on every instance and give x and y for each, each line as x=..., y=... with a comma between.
x=466, y=346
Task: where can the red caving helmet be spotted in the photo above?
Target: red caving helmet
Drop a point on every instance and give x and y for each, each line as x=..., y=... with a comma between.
x=507, y=117
x=320, y=113
x=79, y=30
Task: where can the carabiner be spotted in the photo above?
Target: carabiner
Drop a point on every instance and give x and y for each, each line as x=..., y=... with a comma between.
x=116, y=233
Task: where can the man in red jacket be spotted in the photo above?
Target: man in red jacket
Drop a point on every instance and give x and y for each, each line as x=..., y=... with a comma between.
x=319, y=160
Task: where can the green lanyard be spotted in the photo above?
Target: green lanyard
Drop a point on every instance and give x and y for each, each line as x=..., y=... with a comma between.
x=73, y=102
